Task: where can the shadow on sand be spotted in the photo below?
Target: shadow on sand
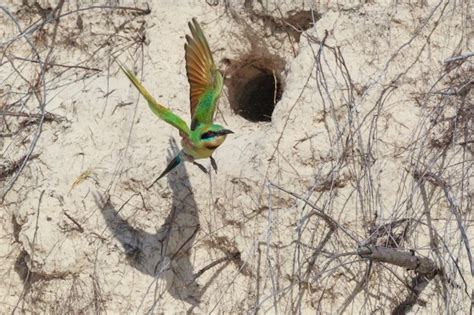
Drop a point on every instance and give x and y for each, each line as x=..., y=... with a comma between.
x=166, y=254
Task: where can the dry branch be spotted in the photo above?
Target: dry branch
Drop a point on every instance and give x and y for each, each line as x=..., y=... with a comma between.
x=461, y=57
x=399, y=258
x=424, y=267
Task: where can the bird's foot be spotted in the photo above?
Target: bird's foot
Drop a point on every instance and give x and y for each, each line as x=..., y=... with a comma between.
x=201, y=167
x=214, y=164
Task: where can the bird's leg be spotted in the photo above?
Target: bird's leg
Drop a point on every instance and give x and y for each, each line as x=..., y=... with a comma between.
x=214, y=164
x=202, y=168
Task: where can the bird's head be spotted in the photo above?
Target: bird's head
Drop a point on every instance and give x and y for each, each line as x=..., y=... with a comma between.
x=213, y=136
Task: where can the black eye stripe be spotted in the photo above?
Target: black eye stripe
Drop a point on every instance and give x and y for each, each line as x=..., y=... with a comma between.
x=207, y=135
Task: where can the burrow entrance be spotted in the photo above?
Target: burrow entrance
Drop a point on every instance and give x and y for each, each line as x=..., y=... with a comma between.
x=255, y=85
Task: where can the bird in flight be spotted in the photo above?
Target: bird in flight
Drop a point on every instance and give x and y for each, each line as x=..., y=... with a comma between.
x=203, y=136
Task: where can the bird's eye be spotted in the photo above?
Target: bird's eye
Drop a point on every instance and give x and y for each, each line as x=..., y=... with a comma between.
x=207, y=135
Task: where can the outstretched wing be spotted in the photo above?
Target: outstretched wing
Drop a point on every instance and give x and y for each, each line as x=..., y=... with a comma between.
x=204, y=79
x=159, y=110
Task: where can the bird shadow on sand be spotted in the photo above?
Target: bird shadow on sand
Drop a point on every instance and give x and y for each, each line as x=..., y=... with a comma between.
x=165, y=254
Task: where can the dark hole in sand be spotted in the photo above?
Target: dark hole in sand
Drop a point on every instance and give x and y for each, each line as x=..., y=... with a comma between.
x=255, y=87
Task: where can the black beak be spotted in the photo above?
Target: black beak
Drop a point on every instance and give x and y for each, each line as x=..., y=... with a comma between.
x=225, y=132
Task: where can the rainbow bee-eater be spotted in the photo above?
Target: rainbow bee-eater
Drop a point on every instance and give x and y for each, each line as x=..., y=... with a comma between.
x=203, y=136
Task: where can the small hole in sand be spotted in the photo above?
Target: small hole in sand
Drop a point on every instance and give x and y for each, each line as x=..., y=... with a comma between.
x=255, y=86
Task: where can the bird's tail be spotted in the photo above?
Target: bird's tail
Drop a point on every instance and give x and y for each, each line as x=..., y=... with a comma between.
x=171, y=165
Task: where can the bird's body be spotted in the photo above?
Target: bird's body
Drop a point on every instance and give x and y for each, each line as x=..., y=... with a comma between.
x=203, y=136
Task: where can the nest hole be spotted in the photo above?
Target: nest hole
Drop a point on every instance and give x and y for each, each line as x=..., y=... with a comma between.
x=255, y=86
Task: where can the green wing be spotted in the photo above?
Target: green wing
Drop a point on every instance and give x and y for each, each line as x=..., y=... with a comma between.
x=204, y=79
x=159, y=110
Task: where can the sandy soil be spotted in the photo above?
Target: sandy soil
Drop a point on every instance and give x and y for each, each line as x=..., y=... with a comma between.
x=367, y=103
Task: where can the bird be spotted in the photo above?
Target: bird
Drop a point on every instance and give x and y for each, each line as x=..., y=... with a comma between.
x=202, y=137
